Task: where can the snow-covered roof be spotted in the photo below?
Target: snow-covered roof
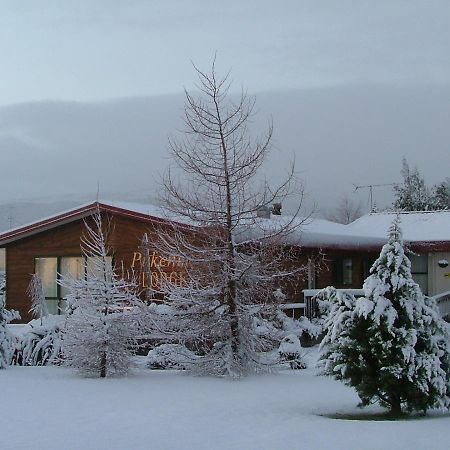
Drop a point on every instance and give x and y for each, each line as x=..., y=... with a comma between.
x=367, y=233
x=324, y=233
x=311, y=232
x=425, y=226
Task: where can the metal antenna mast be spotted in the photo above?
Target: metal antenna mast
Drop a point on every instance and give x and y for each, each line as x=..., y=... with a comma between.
x=370, y=187
x=10, y=218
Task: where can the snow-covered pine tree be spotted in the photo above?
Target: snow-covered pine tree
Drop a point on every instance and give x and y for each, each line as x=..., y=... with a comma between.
x=36, y=293
x=393, y=347
x=6, y=339
x=228, y=277
x=105, y=317
x=412, y=194
x=441, y=195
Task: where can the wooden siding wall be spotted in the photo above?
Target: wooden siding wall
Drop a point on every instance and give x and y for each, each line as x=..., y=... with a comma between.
x=125, y=238
x=324, y=277
x=323, y=271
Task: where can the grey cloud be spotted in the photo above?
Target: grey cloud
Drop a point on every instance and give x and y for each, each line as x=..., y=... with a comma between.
x=339, y=136
x=104, y=49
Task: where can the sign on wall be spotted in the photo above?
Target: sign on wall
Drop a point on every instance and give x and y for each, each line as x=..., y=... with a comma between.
x=153, y=270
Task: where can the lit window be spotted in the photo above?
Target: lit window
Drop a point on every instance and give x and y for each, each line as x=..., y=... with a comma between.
x=47, y=268
x=70, y=267
x=96, y=267
x=50, y=269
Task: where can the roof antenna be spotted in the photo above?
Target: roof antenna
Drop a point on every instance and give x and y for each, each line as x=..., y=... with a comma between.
x=373, y=206
x=10, y=218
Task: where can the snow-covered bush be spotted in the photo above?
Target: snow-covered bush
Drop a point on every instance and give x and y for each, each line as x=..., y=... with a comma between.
x=2, y=285
x=6, y=338
x=40, y=345
x=290, y=350
x=391, y=345
x=270, y=327
x=279, y=295
x=276, y=326
x=171, y=356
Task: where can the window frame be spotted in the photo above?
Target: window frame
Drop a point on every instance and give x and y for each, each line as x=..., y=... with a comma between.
x=415, y=272
x=58, y=258
x=338, y=264
x=59, y=299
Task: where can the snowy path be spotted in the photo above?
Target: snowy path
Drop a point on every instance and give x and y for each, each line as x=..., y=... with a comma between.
x=53, y=408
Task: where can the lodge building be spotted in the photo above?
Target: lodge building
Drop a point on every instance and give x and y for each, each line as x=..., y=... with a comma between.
x=51, y=248
x=335, y=254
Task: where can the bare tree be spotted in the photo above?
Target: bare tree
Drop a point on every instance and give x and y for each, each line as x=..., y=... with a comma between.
x=104, y=315
x=36, y=293
x=232, y=258
x=346, y=212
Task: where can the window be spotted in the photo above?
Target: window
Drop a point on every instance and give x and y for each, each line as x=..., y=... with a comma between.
x=2, y=259
x=50, y=269
x=94, y=266
x=70, y=267
x=342, y=271
x=47, y=268
x=419, y=271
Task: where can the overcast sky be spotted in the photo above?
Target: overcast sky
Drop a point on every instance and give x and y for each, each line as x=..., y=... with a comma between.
x=101, y=49
x=347, y=81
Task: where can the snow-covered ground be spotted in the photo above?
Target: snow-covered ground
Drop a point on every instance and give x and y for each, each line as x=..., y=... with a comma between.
x=55, y=408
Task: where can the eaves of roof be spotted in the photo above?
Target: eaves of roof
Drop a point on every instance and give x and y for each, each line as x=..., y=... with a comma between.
x=76, y=214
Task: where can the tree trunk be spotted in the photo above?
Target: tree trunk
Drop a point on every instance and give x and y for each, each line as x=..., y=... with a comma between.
x=231, y=294
x=395, y=405
x=103, y=366
x=234, y=319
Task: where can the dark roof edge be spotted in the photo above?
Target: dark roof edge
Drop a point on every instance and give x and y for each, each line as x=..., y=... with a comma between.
x=76, y=214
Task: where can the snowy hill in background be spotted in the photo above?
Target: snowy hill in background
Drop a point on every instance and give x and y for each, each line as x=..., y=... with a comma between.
x=339, y=136
x=15, y=214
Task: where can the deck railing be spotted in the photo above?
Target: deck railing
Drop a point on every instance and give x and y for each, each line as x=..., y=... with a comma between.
x=310, y=305
x=290, y=309
x=310, y=300
x=443, y=303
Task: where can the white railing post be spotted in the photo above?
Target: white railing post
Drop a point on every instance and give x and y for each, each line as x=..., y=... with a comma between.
x=443, y=303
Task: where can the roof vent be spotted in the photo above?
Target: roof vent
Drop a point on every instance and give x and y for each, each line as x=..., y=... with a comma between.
x=263, y=212
x=276, y=209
